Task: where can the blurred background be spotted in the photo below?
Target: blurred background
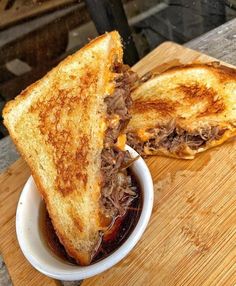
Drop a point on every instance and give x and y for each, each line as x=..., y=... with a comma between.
x=36, y=34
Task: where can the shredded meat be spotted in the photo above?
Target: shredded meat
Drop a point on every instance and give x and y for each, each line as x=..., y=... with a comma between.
x=174, y=138
x=120, y=101
x=117, y=189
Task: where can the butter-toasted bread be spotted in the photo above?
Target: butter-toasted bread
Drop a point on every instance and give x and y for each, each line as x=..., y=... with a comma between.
x=59, y=125
x=184, y=110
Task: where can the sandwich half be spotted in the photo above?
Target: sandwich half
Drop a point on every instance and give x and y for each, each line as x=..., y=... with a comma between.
x=183, y=111
x=67, y=126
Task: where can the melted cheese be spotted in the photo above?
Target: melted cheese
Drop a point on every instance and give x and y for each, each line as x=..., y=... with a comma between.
x=114, y=121
x=121, y=141
x=143, y=135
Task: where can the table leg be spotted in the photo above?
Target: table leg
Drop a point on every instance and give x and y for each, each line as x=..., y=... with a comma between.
x=109, y=15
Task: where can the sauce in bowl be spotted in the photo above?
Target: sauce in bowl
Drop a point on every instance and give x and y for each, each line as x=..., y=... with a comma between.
x=111, y=240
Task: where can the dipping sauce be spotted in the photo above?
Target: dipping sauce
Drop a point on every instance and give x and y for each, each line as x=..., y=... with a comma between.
x=112, y=239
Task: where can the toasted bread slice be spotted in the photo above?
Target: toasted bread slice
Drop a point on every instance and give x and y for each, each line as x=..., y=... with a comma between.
x=59, y=126
x=184, y=111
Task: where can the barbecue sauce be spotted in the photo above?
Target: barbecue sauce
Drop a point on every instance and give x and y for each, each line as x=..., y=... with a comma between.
x=111, y=241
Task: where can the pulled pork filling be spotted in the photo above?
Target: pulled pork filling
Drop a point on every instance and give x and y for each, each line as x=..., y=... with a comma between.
x=174, y=139
x=117, y=189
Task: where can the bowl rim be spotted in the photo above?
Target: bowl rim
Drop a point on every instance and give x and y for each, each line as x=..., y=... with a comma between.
x=82, y=272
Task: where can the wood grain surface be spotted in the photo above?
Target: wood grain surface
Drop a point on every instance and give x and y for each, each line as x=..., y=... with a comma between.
x=191, y=238
x=21, y=272
x=219, y=42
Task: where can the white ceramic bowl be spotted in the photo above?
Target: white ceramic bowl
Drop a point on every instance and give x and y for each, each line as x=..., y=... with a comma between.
x=37, y=253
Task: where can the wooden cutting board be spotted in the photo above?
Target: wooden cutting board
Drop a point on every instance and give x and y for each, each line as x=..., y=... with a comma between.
x=191, y=237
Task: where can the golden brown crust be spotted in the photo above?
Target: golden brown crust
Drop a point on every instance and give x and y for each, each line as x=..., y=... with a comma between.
x=158, y=105
x=224, y=72
x=58, y=130
x=117, y=51
x=193, y=93
x=196, y=96
x=185, y=154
